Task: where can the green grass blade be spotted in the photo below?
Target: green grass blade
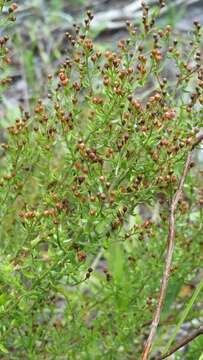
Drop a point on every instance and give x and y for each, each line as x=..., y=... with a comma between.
x=184, y=315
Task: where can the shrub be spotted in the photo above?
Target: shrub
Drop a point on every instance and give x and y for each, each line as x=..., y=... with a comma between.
x=86, y=185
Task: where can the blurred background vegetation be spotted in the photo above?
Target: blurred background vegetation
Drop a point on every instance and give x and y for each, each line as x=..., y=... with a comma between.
x=39, y=42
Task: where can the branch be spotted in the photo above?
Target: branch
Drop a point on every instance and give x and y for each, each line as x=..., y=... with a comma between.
x=182, y=343
x=169, y=254
x=197, y=140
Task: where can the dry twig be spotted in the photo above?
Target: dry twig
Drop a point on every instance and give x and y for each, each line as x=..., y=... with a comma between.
x=169, y=254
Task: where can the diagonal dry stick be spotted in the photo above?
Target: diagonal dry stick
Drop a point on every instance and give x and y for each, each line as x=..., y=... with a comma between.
x=182, y=343
x=169, y=254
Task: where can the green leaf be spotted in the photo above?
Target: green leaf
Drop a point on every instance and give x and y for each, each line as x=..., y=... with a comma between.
x=3, y=349
x=116, y=262
x=2, y=299
x=36, y=241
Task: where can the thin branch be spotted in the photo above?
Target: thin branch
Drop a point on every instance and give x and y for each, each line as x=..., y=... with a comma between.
x=169, y=254
x=182, y=343
x=197, y=140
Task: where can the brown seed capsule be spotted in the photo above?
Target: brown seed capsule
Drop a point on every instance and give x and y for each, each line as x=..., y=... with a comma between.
x=81, y=146
x=108, y=277
x=97, y=101
x=85, y=170
x=102, y=196
x=14, y=6
x=90, y=15
x=170, y=115
x=92, y=198
x=102, y=178
x=164, y=142
x=106, y=81
x=118, y=91
x=51, y=212
x=92, y=212
x=76, y=86
x=64, y=82
x=157, y=97
x=81, y=255
x=5, y=146
x=87, y=275
x=94, y=58
x=7, y=177
x=136, y=104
